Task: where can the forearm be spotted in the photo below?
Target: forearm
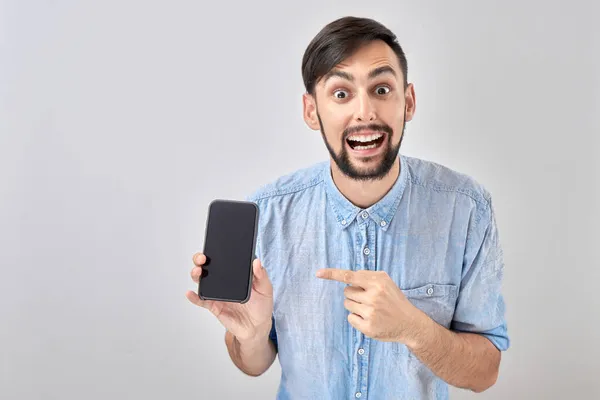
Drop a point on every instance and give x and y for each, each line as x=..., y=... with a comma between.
x=465, y=360
x=253, y=356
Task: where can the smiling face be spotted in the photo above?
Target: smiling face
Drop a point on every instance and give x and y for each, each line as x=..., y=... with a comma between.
x=361, y=107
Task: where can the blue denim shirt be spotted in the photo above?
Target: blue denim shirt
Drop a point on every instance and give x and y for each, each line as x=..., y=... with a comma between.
x=434, y=233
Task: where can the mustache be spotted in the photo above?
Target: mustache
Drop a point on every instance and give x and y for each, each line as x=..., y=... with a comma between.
x=370, y=127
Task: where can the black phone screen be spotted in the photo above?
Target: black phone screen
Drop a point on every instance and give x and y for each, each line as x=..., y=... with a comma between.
x=229, y=249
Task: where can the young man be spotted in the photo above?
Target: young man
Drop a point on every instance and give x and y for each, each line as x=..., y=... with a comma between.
x=378, y=275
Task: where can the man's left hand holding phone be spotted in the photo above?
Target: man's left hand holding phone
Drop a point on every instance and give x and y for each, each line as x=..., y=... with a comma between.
x=234, y=286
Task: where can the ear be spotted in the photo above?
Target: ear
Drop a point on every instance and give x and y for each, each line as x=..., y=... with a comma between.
x=310, y=111
x=411, y=101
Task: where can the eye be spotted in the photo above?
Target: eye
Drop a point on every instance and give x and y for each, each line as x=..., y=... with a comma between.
x=340, y=94
x=382, y=90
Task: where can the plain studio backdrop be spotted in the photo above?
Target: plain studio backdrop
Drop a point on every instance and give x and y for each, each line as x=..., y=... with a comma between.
x=120, y=121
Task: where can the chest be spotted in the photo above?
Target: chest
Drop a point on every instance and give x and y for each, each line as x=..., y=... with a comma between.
x=423, y=256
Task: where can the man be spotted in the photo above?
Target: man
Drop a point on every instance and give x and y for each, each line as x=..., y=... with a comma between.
x=377, y=275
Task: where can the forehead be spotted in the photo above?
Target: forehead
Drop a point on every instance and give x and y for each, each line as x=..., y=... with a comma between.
x=368, y=57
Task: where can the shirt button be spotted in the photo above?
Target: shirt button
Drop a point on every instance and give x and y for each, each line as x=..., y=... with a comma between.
x=365, y=215
x=430, y=291
x=343, y=222
x=358, y=394
x=367, y=251
x=361, y=351
x=383, y=223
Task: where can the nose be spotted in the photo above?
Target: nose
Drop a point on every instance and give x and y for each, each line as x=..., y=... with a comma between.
x=366, y=109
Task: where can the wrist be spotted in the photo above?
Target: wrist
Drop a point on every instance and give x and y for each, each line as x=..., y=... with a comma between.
x=260, y=336
x=422, y=328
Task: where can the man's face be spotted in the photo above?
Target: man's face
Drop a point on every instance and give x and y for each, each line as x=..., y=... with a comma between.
x=361, y=107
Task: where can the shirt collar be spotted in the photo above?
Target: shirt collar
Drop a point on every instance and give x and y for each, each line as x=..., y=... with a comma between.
x=381, y=212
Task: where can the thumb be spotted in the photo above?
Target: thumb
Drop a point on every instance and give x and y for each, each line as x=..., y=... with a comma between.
x=261, y=282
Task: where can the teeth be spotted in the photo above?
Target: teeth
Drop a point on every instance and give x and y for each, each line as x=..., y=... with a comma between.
x=365, y=138
x=371, y=146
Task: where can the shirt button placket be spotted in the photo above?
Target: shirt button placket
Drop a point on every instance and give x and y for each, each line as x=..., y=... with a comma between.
x=367, y=262
x=362, y=360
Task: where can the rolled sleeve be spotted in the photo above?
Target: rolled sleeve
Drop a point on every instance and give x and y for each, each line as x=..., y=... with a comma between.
x=480, y=306
x=273, y=334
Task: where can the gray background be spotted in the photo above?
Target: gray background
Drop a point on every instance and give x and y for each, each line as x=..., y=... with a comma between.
x=120, y=121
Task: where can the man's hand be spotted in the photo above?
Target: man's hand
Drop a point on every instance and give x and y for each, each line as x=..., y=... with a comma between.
x=246, y=321
x=247, y=325
x=379, y=309
x=377, y=306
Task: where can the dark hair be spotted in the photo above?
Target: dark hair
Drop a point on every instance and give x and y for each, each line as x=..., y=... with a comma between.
x=339, y=40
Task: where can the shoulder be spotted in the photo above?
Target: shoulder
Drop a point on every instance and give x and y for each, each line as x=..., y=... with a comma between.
x=291, y=183
x=434, y=177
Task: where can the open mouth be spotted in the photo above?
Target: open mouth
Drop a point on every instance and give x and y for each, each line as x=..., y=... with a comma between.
x=365, y=142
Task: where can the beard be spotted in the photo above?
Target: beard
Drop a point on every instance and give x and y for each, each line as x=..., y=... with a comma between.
x=378, y=172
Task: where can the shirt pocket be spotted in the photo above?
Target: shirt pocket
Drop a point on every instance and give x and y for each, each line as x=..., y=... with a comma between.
x=438, y=301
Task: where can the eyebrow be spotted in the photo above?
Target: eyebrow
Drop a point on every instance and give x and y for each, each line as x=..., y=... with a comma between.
x=386, y=69
x=381, y=70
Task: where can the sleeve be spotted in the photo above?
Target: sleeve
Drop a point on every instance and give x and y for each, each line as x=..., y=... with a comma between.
x=273, y=335
x=480, y=306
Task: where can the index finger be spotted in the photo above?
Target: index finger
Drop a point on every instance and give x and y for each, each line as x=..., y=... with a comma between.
x=340, y=275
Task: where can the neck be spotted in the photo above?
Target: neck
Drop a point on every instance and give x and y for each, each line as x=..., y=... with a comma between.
x=364, y=194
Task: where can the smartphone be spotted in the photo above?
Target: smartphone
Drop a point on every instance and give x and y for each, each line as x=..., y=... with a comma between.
x=229, y=247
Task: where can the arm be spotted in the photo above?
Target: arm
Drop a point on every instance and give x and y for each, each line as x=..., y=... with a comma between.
x=465, y=360
x=254, y=356
x=379, y=309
